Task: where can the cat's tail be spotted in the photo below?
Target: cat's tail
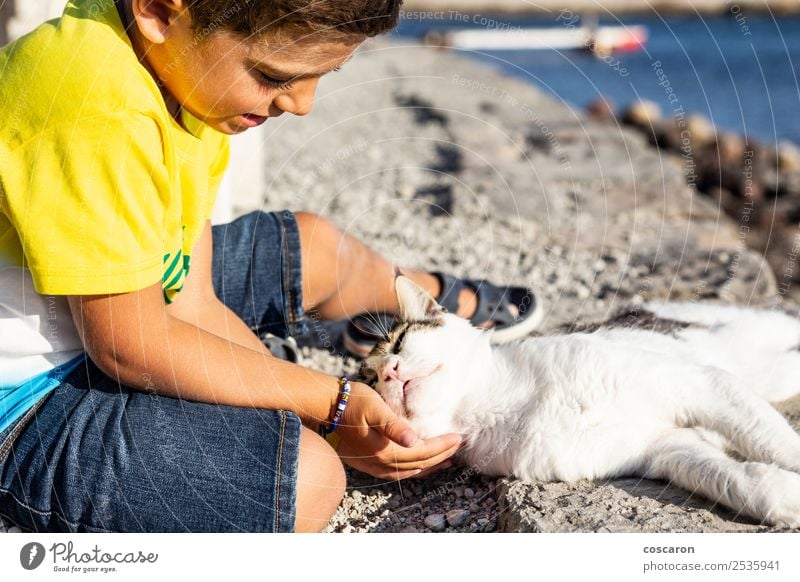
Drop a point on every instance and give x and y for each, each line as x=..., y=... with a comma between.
x=760, y=347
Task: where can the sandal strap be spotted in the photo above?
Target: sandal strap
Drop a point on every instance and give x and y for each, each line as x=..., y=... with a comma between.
x=492, y=300
x=492, y=303
x=450, y=290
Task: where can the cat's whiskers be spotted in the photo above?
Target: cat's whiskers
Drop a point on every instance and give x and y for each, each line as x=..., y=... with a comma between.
x=378, y=323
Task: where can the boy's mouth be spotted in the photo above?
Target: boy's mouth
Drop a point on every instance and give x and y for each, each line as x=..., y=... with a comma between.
x=252, y=120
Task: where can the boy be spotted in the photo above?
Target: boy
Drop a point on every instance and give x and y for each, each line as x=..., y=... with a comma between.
x=133, y=398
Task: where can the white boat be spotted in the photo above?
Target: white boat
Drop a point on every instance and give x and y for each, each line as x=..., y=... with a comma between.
x=602, y=39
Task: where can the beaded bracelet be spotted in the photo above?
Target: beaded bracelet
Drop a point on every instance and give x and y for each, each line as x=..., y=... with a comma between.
x=344, y=396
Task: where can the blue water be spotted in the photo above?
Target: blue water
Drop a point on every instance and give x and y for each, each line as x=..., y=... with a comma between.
x=742, y=74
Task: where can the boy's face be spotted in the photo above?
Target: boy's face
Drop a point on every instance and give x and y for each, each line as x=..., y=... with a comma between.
x=233, y=84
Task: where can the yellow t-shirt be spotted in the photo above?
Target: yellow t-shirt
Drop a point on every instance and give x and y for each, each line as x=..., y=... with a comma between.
x=101, y=190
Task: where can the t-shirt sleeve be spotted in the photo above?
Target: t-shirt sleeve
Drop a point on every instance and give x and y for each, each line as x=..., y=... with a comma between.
x=87, y=200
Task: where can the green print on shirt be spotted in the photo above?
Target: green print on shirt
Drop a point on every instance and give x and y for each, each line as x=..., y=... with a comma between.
x=176, y=269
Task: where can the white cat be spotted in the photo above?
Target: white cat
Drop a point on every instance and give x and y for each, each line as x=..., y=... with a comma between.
x=661, y=402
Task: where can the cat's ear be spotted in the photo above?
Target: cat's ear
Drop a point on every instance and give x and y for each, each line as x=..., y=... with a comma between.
x=416, y=304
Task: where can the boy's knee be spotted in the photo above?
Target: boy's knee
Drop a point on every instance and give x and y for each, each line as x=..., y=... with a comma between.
x=321, y=482
x=314, y=227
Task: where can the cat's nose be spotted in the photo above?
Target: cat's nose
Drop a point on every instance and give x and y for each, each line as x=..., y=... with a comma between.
x=391, y=370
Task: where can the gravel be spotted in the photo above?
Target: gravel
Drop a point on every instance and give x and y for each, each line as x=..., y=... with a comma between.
x=436, y=522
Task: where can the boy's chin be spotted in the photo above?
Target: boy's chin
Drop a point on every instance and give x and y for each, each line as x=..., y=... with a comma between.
x=228, y=125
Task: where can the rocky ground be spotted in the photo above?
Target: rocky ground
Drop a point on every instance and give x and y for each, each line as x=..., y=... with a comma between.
x=441, y=163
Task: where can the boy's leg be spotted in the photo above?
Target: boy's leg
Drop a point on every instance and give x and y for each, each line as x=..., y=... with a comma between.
x=98, y=456
x=320, y=483
x=257, y=271
x=343, y=277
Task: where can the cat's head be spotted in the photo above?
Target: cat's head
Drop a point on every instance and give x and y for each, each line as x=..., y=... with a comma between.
x=426, y=365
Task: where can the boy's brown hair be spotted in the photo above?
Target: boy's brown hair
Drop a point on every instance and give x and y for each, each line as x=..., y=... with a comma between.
x=365, y=18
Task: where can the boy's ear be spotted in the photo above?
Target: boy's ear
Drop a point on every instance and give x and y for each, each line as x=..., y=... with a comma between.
x=415, y=303
x=154, y=17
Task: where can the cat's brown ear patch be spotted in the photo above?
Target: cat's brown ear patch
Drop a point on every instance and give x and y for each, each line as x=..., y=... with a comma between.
x=415, y=303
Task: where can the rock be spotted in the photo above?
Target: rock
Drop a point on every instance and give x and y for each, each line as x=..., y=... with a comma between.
x=601, y=109
x=14, y=529
x=788, y=157
x=436, y=522
x=469, y=493
x=409, y=529
x=459, y=491
x=632, y=505
x=474, y=508
x=701, y=130
x=347, y=529
x=643, y=113
x=457, y=517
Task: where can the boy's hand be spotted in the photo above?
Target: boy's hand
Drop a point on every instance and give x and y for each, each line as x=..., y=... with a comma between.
x=375, y=440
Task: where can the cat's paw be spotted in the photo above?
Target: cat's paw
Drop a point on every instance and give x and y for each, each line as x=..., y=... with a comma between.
x=780, y=499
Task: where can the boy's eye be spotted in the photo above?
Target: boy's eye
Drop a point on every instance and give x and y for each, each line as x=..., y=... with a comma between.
x=274, y=83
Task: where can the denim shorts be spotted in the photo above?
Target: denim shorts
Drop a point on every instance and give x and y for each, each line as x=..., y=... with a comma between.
x=100, y=457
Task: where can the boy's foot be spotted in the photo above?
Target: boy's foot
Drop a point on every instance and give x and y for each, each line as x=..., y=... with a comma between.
x=512, y=312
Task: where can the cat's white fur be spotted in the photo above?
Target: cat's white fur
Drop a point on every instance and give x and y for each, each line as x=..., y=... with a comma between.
x=613, y=402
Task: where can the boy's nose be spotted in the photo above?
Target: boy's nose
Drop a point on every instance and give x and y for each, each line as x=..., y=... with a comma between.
x=300, y=99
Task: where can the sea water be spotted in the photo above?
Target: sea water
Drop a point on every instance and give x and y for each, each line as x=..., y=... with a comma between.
x=739, y=70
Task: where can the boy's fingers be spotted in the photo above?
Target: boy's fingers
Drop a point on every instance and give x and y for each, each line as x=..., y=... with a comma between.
x=427, y=449
x=400, y=475
x=446, y=464
x=399, y=432
x=424, y=462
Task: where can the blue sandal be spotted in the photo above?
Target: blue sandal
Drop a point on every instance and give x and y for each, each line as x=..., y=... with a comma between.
x=365, y=330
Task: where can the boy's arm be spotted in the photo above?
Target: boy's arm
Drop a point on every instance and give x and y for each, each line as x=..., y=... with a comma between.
x=195, y=348
x=133, y=337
